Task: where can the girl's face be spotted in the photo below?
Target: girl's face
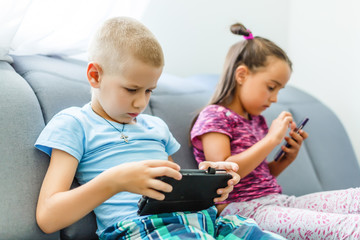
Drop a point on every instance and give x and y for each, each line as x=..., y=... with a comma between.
x=123, y=95
x=255, y=92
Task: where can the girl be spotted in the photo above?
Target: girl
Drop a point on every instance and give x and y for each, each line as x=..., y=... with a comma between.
x=232, y=129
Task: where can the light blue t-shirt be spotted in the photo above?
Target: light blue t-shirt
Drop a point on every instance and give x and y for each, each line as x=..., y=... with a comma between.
x=98, y=146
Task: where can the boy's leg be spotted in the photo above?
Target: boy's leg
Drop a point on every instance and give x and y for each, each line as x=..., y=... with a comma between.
x=197, y=225
x=236, y=227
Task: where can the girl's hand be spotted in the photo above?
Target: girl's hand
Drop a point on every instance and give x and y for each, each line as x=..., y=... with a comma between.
x=295, y=141
x=280, y=126
x=230, y=168
x=141, y=177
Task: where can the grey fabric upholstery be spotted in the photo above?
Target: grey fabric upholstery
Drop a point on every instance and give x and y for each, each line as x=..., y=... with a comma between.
x=34, y=88
x=22, y=168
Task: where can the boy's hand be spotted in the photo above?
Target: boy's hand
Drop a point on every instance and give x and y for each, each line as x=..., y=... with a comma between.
x=230, y=168
x=140, y=177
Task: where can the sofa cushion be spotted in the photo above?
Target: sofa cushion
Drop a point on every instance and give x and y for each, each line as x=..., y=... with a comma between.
x=22, y=168
x=325, y=162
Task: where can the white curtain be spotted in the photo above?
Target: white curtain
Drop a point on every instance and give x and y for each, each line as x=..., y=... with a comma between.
x=58, y=27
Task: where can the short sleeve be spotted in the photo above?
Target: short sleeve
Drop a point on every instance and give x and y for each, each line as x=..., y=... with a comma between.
x=63, y=132
x=171, y=144
x=159, y=131
x=211, y=119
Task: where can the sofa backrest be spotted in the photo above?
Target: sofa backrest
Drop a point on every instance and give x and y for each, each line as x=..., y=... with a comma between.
x=42, y=86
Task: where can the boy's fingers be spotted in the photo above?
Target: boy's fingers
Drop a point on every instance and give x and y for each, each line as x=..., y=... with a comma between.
x=219, y=165
x=235, y=178
x=160, y=163
x=206, y=164
x=158, y=185
x=221, y=198
x=154, y=194
x=165, y=171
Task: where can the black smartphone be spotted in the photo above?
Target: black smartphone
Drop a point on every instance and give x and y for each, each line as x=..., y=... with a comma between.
x=280, y=153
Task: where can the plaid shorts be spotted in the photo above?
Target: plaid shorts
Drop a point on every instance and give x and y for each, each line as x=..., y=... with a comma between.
x=188, y=225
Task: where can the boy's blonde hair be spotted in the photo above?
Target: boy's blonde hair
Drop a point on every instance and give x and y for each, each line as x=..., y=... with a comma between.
x=119, y=39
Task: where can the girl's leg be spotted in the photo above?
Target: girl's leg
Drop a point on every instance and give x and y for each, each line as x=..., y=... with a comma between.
x=273, y=213
x=339, y=201
x=296, y=223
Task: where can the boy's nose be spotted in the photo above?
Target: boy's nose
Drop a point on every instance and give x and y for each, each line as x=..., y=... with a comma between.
x=140, y=102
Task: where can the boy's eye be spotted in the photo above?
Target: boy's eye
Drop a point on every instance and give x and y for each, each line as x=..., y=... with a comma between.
x=149, y=91
x=130, y=90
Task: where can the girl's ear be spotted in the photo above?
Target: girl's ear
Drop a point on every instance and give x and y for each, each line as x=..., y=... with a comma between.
x=93, y=74
x=241, y=74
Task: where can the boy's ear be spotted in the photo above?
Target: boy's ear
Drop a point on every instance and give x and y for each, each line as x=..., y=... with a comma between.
x=241, y=74
x=93, y=74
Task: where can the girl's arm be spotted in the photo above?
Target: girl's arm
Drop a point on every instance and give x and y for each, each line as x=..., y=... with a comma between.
x=59, y=207
x=216, y=146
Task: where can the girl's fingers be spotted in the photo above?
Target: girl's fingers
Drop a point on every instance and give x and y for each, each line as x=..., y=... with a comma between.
x=303, y=134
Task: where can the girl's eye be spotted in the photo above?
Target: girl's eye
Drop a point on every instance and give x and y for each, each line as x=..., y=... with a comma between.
x=271, y=88
x=149, y=91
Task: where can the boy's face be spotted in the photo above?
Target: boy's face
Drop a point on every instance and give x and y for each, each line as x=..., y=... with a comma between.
x=122, y=95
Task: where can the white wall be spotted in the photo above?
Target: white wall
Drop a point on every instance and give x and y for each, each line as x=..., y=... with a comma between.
x=195, y=35
x=324, y=43
x=321, y=37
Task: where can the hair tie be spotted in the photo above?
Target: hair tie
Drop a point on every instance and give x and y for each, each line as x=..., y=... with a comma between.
x=250, y=36
x=240, y=29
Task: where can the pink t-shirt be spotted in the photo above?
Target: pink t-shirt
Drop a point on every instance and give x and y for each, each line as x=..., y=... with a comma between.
x=243, y=134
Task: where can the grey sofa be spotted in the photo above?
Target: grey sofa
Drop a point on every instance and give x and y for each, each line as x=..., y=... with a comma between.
x=34, y=88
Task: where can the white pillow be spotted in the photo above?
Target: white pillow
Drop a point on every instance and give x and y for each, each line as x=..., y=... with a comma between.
x=11, y=15
x=65, y=27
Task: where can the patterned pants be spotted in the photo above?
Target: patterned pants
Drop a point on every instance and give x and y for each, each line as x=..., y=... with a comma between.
x=323, y=215
x=190, y=225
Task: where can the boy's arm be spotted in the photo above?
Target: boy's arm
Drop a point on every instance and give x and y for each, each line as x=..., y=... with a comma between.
x=59, y=207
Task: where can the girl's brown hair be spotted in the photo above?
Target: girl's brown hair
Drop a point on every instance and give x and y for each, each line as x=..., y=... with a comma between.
x=253, y=52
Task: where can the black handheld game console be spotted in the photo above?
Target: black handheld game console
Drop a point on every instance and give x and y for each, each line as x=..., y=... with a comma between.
x=195, y=191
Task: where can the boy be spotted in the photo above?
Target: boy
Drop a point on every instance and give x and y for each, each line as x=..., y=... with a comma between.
x=115, y=152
